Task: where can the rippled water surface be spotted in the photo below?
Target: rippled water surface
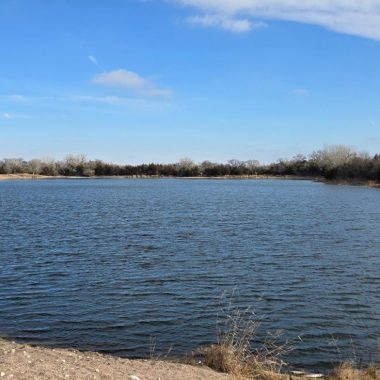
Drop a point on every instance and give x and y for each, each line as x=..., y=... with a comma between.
x=124, y=265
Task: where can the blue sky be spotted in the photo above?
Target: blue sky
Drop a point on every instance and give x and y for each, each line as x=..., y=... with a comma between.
x=132, y=81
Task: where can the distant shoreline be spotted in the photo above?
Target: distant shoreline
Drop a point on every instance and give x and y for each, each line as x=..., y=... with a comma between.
x=27, y=176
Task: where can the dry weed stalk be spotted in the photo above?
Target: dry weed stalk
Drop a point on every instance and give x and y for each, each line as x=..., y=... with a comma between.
x=235, y=353
x=153, y=355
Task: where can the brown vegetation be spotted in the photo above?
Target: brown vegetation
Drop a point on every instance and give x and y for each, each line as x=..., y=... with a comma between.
x=236, y=353
x=348, y=372
x=338, y=163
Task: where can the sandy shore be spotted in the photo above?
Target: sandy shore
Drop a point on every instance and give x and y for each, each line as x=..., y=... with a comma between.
x=19, y=361
x=31, y=176
x=26, y=362
x=24, y=176
x=372, y=184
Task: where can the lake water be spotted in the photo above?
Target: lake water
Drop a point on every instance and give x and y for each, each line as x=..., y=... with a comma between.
x=123, y=266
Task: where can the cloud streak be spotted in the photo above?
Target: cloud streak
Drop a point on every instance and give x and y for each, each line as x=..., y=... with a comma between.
x=107, y=103
x=15, y=98
x=354, y=17
x=130, y=81
x=232, y=24
x=94, y=60
x=12, y=116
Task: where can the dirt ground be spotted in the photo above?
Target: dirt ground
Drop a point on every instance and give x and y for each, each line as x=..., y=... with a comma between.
x=18, y=361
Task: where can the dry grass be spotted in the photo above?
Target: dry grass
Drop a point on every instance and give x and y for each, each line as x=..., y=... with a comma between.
x=234, y=353
x=348, y=372
x=222, y=359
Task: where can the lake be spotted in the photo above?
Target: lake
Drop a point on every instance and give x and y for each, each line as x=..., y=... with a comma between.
x=125, y=266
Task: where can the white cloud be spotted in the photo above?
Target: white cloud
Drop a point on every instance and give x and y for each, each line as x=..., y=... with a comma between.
x=232, y=24
x=130, y=81
x=355, y=17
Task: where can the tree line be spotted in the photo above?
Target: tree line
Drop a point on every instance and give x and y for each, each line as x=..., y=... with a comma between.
x=337, y=162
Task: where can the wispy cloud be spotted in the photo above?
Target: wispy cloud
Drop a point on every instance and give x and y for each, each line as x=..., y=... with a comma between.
x=301, y=91
x=355, y=17
x=121, y=102
x=12, y=116
x=6, y=116
x=233, y=24
x=14, y=98
x=94, y=60
x=101, y=103
x=99, y=99
x=132, y=82
x=110, y=100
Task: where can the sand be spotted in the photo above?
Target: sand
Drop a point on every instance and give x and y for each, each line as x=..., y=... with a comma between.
x=19, y=361
x=23, y=176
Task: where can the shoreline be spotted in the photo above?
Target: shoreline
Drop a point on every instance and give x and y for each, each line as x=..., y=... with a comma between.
x=27, y=176
x=338, y=182
x=21, y=361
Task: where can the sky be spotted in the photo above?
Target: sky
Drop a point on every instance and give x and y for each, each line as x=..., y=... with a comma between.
x=132, y=81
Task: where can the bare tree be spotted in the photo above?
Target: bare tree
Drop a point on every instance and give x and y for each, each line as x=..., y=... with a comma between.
x=252, y=166
x=235, y=163
x=13, y=165
x=35, y=166
x=186, y=163
x=74, y=164
x=333, y=156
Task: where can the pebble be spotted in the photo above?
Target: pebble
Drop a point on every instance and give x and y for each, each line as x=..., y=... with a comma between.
x=2, y=374
x=133, y=377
